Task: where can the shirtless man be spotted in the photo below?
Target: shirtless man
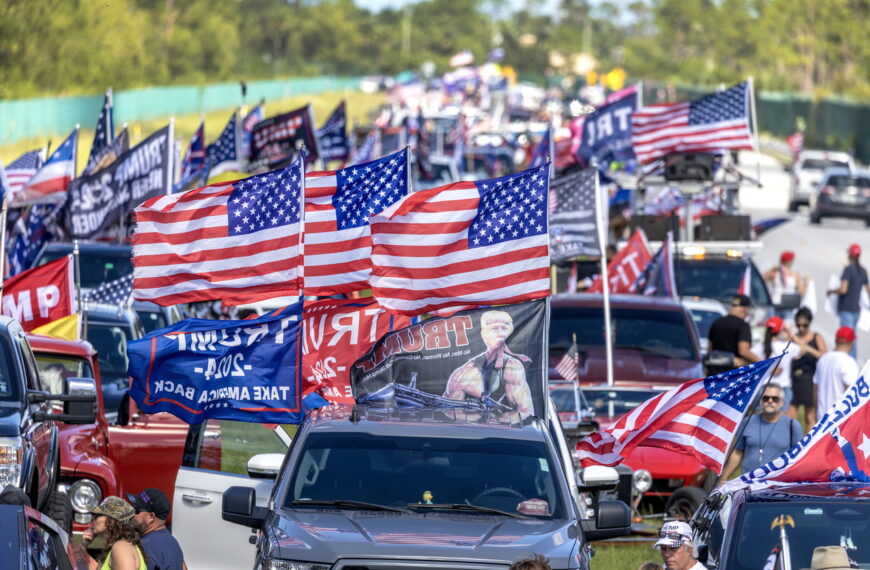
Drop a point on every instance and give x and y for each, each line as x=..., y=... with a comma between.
x=496, y=372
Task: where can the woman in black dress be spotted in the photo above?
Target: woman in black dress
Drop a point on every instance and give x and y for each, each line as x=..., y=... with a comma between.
x=812, y=346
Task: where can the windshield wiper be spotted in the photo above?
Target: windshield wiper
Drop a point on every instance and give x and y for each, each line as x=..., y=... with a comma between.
x=348, y=503
x=466, y=507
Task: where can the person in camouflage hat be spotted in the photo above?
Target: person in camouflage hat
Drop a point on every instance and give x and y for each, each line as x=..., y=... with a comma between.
x=113, y=522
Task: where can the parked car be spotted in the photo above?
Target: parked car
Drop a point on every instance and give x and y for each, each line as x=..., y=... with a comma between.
x=29, y=442
x=355, y=490
x=844, y=194
x=807, y=174
x=654, y=340
x=668, y=481
x=99, y=459
x=738, y=530
x=704, y=312
x=32, y=540
x=98, y=262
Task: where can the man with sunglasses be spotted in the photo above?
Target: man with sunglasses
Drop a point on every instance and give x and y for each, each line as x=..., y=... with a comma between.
x=767, y=435
x=731, y=333
x=678, y=550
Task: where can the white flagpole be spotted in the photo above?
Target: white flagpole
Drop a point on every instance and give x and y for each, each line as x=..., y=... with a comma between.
x=752, y=110
x=605, y=279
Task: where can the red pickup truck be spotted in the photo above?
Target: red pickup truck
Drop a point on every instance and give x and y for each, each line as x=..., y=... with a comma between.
x=100, y=459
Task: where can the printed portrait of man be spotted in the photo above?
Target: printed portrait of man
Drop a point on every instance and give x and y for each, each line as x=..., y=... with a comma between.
x=497, y=373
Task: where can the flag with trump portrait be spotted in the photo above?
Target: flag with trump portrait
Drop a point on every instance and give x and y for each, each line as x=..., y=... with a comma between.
x=337, y=234
x=466, y=243
x=238, y=242
x=698, y=418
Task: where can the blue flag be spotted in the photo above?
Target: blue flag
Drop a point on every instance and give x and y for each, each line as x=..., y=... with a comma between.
x=244, y=370
x=104, y=133
x=607, y=133
x=332, y=136
x=38, y=226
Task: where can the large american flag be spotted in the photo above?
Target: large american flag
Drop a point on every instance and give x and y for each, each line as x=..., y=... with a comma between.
x=573, y=227
x=716, y=121
x=22, y=169
x=337, y=236
x=466, y=243
x=238, y=242
x=698, y=418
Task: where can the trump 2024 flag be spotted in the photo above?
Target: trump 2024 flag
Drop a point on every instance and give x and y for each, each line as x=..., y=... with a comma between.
x=467, y=243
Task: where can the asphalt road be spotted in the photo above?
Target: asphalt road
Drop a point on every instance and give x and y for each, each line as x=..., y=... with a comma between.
x=820, y=250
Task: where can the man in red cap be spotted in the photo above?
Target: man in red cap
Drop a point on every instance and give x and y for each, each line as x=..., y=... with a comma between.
x=783, y=280
x=853, y=279
x=835, y=371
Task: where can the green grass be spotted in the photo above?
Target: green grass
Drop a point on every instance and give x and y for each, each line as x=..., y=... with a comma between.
x=359, y=107
x=242, y=440
x=623, y=556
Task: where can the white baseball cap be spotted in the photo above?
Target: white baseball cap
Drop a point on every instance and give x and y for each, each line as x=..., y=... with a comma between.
x=673, y=534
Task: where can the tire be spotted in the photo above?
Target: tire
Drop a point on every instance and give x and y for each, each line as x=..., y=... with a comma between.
x=792, y=206
x=684, y=502
x=815, y=218
x=59, y=509
x=867, y=222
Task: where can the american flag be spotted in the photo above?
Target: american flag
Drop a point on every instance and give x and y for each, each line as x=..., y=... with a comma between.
x=697, y=418
x=658, y=277
x=573, y=227
x=544, y=150
x=568, y=366
x=466, y=243
x=716, y=121
x=36, y=227
x=22, y=169
x=256, y=115
x=745, y=285
x=337, y=235
x=332, y=136
x=238, y=242
x=51, y=181
x=667, y=201
x=104, y=133
x=116, y=292
x=223, y=154
x=194, y=162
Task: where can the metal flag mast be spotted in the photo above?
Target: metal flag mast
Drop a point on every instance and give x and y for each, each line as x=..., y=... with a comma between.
x=605, y=278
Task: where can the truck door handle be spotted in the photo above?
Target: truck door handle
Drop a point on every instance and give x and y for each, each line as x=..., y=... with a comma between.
x=196, y=498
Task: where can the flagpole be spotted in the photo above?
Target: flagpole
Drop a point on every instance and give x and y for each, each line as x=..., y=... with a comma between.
x=605, y=279
x=3, y=235
x=745, y=420
x=751, y=82
x=78, y=276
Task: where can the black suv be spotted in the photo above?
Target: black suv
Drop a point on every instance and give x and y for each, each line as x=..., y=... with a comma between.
x=29, y=455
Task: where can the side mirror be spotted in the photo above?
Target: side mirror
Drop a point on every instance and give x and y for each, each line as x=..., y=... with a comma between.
x=265, y=465
x=79, y=402
x=240, y=507
x=612, y=520
x=598, y=478
x=789, y=301
x=719, y=359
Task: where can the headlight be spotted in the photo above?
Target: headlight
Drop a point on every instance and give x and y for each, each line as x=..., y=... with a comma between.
x=272, y=564
x=84, y=494
x=11, y=452
x=641, y=480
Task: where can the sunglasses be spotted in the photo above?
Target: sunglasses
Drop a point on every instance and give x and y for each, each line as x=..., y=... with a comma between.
x=770, y=398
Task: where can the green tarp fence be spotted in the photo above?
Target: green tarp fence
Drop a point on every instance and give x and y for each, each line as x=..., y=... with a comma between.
x=54, y=116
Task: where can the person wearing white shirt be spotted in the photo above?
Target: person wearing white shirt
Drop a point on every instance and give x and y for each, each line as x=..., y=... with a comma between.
x=835, y=371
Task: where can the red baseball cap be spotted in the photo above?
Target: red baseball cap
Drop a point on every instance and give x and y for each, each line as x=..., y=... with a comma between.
x=845, y=334
x=774, y=324
x=786, y=256
x=854, y=250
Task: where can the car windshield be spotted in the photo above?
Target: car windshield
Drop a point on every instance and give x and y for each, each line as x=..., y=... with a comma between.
x=653, y=332
x=110, y=342
x=614, y=404
x=510, y=475
x=816, y=523
x=842, y=182
x=8, y=383
x=151, y=320
x=822, y=164
x=718, y=278
x=564, y=399
x=703, y=319
x=54, y=369
x=95, y=268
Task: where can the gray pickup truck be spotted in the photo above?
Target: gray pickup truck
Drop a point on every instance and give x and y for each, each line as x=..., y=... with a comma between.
x=373, y=488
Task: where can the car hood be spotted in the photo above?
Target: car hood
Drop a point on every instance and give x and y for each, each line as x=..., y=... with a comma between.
x=327, y=535
x=632, y=365
x=663, y=463
x=10, y=422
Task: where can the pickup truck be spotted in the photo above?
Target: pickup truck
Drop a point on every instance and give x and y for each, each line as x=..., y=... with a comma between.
x=386, y=488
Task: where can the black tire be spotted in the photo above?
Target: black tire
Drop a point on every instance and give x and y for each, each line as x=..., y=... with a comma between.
x=815, y=218
x=59, y=509
x=867, y=222
x=792, y=206
x=684, y=502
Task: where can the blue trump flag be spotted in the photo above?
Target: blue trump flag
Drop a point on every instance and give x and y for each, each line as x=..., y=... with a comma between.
x=607, y=133
x=245, y=370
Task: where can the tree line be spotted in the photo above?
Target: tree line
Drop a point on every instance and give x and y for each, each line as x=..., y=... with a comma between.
x=51, y=47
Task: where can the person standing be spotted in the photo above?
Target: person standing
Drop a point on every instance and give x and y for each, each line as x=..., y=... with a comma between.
x=766, y=436
x=852, y=280
x=811, y=346
x=835, y=370
x=777, y=337
x=123, y=547
x=731, y=333
x=152, y=510
x=784, y=280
